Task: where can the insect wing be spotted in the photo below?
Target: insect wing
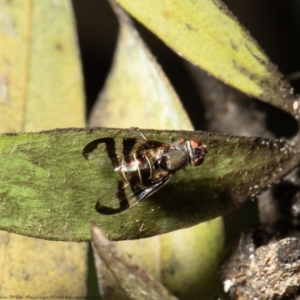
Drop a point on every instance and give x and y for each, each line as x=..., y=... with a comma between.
x=112, y=152
x=101, y=150
x=117, y=149
x=128, y=195
x=148, y=191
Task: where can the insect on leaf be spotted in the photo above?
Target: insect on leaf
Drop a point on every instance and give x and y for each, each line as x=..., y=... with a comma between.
x=49, y=190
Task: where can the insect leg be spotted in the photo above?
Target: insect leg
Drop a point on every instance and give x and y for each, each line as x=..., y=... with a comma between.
x=139, y=131
x=150, y=190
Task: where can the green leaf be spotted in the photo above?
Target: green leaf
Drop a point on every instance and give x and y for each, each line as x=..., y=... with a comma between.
x=49, y=190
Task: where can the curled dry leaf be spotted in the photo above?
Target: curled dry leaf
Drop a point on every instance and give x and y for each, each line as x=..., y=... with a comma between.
x=135, y=281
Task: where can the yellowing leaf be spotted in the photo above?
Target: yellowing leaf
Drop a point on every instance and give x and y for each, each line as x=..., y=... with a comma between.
x=207, y=34
x=36, y=267
x=137, y=93
x=40, y=88
x=39, y=70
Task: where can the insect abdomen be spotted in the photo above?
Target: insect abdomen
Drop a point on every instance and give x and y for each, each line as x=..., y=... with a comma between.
x=136, y=167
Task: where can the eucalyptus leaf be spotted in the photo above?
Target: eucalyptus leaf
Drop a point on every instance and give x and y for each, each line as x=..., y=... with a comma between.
x=40, y=71
x=208, y=35
x=49, y=190
x=137, y=92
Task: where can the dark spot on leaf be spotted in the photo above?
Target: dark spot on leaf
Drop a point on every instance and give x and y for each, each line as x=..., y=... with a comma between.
x=59, y=46
x=190, y=27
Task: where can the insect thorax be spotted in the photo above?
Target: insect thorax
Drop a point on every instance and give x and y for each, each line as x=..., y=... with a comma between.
x=175, y=159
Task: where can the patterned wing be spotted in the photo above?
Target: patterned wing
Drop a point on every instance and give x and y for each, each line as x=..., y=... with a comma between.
x=117, y=149
x=110, y=153
x=128, y=195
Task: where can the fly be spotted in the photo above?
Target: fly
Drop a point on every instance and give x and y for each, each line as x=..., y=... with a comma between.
x=144, y=165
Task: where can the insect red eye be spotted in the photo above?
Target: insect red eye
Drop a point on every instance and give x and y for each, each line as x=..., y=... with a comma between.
x=198, y=161
x=195, y=143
